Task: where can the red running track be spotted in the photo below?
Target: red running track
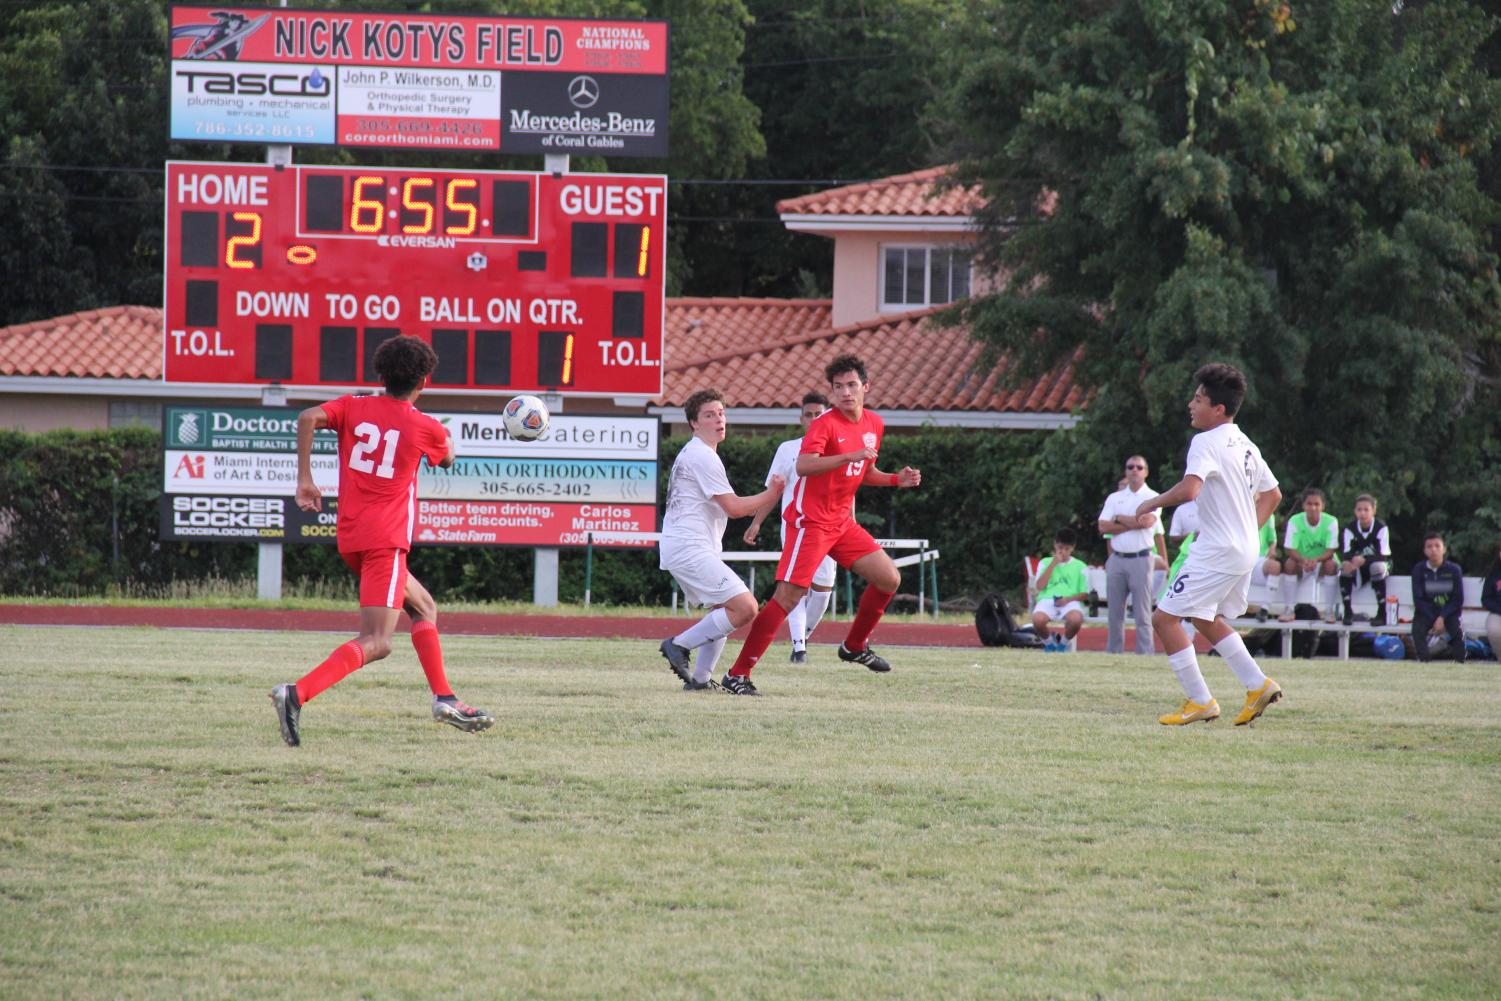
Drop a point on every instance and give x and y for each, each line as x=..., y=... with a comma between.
x=474, y=624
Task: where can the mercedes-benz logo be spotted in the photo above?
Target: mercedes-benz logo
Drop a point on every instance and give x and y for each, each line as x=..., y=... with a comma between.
x=583, y=91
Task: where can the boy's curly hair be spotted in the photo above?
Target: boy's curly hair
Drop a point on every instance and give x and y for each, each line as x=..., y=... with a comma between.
x=403, y=362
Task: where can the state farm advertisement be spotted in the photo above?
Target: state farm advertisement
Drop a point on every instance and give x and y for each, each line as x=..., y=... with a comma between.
x=230, y=473
x=457, y=523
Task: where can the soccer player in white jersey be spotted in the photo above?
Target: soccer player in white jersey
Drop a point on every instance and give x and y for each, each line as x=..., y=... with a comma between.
x=1236, y=493
x=804, y=618
x=700, y=502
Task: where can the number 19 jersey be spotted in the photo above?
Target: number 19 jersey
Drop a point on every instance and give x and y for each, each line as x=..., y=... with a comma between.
x=381, y=442
x=827, y=500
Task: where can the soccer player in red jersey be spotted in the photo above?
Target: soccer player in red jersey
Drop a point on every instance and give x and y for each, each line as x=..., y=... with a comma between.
x=382, y=439
x=838, y=457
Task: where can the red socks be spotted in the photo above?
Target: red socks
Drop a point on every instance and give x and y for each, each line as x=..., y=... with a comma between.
x=430, y=652
x=351, y=657
x=763, y=629
x=346, y=660
x=872, y=604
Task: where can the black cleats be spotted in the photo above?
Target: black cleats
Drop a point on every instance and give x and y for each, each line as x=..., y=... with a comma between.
x=677, y=659
x=868, y=657
x=1349, y=618
x=799, y=656
x=288, y=711
x=700, y=686
x=734, y=684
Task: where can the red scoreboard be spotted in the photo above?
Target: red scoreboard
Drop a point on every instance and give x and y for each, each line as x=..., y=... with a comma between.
x=520, y=281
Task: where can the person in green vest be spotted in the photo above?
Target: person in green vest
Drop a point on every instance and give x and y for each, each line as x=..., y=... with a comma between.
x=1270, y=567
x=1312, y=540
x=1062, y=588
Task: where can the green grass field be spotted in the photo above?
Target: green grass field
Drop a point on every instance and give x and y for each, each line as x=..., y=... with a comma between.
x=975, y=825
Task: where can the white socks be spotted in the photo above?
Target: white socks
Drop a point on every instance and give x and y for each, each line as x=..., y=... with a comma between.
x=1185, y=664
x=711, y=627
x=1290, y=582
x=818, y=603
x=1239, y=659
x=797, y=623
x=805, y=616
x=708, y=656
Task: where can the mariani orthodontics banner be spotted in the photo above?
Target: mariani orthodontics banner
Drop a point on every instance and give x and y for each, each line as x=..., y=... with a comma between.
x=418, y=81
x=230, y=474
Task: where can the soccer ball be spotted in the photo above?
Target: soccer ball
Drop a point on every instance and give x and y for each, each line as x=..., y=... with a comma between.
x=526, y=418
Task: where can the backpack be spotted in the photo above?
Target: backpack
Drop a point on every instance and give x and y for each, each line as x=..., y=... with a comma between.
x=1026, y=638
x=1308, y=643
x=1264, y=643
x=996, y=627
x=993, y=620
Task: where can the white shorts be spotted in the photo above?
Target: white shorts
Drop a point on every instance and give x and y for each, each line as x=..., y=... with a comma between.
x=704, y=577
x=824, y=575
x=1258, y=572
x=1049, y=607
x=1201, y=593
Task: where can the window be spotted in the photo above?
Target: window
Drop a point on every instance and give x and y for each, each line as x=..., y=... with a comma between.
x=923, y=276
x=133, y=413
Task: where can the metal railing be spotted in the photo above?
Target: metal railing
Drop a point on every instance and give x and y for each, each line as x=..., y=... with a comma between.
x=925, y=557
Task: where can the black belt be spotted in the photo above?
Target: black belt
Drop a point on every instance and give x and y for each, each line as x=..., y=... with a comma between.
x=1132, y=556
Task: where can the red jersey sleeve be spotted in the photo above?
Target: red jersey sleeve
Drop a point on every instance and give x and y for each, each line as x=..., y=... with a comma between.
x=337, y=412
x=816, y=440
x=434, y=440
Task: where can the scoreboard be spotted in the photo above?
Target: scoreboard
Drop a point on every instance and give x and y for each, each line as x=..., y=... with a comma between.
x=520, y=281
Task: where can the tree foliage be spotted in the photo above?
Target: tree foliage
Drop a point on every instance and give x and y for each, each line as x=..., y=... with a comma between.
x=843, y=89
x=1300, y=189
x=80, y=87
x=83, y=122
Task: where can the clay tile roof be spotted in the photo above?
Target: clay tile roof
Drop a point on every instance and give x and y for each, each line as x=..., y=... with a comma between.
x=121, y=342
x=915, y=194
x=914, y=364
x=696, y=329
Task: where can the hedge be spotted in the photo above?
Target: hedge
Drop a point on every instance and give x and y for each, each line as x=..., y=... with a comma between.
x=79, y=515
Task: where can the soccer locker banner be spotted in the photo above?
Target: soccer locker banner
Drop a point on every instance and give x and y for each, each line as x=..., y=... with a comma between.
x=231, y=473
x=418, y=81
x=226, y=518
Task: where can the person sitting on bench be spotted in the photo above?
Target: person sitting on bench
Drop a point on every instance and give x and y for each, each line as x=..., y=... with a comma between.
x=1438, y=597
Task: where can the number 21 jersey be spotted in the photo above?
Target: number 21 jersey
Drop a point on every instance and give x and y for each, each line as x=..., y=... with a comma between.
x=381, y=442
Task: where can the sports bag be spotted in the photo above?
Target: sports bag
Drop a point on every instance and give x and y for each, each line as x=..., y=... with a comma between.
x=993, y=620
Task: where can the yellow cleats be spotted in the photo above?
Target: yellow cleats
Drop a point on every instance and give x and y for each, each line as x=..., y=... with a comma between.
x=1257, y=701
x=1191, y=712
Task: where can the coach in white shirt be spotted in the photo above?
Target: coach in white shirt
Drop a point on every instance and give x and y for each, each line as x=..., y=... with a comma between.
x=1135, y=542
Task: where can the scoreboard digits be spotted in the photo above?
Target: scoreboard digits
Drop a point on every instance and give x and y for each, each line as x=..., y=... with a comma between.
x=521, y=281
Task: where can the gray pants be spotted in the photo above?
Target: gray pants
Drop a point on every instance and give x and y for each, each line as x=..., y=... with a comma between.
x=1129, y=575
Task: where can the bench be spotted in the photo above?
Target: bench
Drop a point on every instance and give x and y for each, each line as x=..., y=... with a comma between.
x=1363, y=601
x=1323, y=594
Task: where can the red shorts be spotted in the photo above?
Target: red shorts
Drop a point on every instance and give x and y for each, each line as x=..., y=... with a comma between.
x=382, y=574
x=808, y=544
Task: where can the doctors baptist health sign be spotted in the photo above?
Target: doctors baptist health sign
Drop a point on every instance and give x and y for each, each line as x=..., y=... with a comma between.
x=230, y=474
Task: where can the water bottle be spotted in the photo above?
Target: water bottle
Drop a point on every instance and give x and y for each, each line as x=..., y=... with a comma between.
x=1391, y=609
